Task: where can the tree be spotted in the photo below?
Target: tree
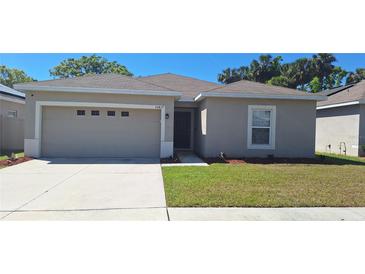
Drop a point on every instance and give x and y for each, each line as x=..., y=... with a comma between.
x=265, y=68
x=281, y=81
x=261, y=70
x=306, y=74
x=335, y=78
x=322, y=67
x=229, y=76
x=87, y=65
x=315, y=85
x=294, y=75
x=355, y=77
x=9, y=76
x=303, y=73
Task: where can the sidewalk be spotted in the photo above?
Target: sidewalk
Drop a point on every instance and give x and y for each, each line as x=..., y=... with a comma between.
x=268, y=214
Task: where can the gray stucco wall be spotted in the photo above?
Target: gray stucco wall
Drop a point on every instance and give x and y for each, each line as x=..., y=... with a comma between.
x=362, y=130
x=227, y=128
x=99, y=98
x=336, y=125
x=11, y=129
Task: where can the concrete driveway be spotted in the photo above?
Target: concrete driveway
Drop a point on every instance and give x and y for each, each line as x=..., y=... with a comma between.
x=83, y=189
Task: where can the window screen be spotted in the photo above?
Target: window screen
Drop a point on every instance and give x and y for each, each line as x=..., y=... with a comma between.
x=261, y=127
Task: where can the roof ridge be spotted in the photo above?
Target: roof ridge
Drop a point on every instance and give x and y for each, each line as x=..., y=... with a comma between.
x=363, y=92
x=152, y=75
x=268, y=85
x=153, y=84
x=252, y=82
x=220, y=87
x=180, y=75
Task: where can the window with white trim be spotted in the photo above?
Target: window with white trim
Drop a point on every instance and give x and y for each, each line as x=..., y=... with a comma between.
x=261, y=127
x=12, y=114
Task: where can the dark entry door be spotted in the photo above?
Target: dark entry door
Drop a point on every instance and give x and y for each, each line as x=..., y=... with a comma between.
x=182, y=129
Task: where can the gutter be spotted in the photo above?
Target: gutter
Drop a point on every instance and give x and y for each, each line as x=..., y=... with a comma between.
x=203, y=95
x=12, y=99
x=352, y=103
x=13, y=95
x=28, y=88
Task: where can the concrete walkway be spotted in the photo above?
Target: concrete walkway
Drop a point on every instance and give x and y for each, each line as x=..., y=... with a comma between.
x=268, y=214
x=79, y=189
x=188, y=158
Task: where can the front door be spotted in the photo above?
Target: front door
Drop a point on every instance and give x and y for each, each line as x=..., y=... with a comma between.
x=182, y=130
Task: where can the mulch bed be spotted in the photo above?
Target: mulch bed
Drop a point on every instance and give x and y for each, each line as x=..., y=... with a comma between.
x=223, y=161
x=10, y=162
x=263, y=160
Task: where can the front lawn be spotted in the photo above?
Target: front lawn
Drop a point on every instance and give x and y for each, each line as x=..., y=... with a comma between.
x=329, y=180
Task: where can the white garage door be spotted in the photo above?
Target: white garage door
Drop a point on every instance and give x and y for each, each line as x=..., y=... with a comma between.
x=100, y=132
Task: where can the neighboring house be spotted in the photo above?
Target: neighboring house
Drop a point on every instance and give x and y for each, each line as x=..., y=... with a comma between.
x=11, y=120
x=341, y=121
x=112, y=115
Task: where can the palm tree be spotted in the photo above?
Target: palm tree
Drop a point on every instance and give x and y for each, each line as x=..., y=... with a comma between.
x=228, y=76
x=302, y=71
x=265, y=68
x=355, y=77
x=322, y=65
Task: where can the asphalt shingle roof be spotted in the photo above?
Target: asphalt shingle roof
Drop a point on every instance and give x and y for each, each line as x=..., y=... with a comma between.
x=328, y=92
x=12, y=92
x=108, y=80
x=249, y=87
x=188, y=86
x=353, y=93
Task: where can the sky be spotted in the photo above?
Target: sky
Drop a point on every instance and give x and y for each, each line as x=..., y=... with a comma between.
x=202, y=66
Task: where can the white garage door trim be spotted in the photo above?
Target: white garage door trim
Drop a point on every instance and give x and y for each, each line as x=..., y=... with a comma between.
x=33, y=146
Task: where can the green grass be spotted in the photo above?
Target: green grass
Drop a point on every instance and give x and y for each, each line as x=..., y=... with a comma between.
x=340, y=159
x=330, y=180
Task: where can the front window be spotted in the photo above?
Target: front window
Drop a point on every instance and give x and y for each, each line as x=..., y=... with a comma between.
x=261, y=127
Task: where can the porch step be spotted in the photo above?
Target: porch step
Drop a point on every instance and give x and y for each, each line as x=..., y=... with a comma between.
x=187, y=157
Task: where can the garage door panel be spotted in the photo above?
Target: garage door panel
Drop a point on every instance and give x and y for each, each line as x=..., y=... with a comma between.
x=66, y=135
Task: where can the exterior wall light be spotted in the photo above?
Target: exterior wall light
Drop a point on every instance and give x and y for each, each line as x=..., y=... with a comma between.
x=167, y=116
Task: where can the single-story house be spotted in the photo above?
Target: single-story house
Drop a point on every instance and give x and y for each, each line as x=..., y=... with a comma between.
x=111, y=115
x=12, y=107
x=341, y=120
